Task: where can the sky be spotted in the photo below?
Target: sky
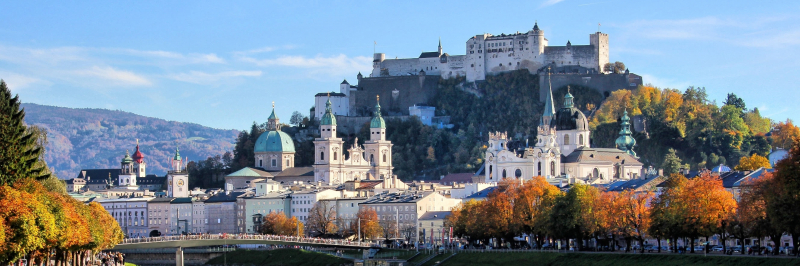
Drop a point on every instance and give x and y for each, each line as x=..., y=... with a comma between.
x=223, y=63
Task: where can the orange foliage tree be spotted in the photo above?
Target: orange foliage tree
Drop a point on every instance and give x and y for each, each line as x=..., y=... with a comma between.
x=368, y=218
x=753, y=162
x=532, y=207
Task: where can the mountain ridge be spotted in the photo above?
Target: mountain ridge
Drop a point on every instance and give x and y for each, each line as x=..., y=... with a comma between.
x=91, y=138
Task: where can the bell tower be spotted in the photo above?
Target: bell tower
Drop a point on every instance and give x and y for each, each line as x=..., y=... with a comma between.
x=378, y=151
x=177, y=177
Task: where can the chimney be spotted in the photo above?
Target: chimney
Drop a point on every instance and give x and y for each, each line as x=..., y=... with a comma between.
x=660, y=172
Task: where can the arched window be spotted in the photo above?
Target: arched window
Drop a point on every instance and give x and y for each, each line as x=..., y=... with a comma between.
x=580, y=139
x=274, y=162
x=518, y=173
x=287, y=162
x=566, y=139
x=504, y=173
x=384, y=157
x=553, y=168
x=371, y=158
x=595, y=173
x=322, y=155
x=539, y=169
x=335, y=156
x=260, y=163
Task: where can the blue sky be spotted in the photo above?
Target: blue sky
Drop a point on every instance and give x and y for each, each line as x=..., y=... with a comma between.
x=222, y=63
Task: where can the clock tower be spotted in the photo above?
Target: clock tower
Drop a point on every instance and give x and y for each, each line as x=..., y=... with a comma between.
x=177, y=178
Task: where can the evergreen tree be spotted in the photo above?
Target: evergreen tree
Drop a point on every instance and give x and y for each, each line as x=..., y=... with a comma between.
x=672, y=163
x=19, y=150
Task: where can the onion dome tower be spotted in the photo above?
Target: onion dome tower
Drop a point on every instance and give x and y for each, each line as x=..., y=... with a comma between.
x=139, y=166
x=625, y=141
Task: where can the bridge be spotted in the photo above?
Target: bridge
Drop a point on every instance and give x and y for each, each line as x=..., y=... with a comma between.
x=186, y=241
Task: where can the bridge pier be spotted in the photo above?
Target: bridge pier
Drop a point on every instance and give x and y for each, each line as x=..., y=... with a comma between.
x=179, y=257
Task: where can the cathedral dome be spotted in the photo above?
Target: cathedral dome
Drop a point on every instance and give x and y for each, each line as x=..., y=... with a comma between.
x=571, y=119
x=127, y=159
x=274, y=141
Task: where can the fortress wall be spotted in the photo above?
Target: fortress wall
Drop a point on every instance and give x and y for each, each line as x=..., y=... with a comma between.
x=397, y=94
x=352, y=124
x=604, y=83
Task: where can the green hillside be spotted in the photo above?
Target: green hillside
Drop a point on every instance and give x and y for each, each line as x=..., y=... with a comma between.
x=97, y=138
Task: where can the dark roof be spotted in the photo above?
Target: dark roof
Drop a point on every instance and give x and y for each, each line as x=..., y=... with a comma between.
x=429, y=54
x=297, y=171
x=151, y=179
x=332, y=94
x=434, y=215
x=455, y=178
x=369, y=184
x=584, y=154
x=633, y=184
x=397, y=197
x=571, y=119
x=483, y=193
x=224, y=197
x=345, y=82
x=99, y=176
x=161, y=199
x=181, y=200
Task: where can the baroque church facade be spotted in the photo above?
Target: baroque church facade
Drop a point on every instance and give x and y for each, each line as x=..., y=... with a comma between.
x=562, y=151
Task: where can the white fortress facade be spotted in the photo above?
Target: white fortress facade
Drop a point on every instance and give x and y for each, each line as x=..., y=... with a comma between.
x=492, y=54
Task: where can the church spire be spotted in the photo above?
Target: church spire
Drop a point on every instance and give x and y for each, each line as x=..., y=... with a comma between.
x=377, y=121
x=440, y=46
x=328, y=119
x=549, y=110
x=568, y=103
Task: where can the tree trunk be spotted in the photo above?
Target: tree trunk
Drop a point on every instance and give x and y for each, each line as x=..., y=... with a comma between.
x=659, y=244
x=692, y=246
x=613, y=242
x=794, y=243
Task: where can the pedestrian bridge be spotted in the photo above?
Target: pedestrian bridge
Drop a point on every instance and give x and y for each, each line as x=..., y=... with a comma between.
x=186, y=241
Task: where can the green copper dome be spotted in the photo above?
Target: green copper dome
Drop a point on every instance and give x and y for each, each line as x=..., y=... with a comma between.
x=377, y=121
x=127, y=159
x=328, y=119
x=274, y=141
x=625, y=141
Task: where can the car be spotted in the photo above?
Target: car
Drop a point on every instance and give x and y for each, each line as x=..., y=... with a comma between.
x=699, y=248
x=716, y=248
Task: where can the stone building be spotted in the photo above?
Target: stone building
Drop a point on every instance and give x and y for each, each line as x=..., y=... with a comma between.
x=131, y=214
x=488, y=54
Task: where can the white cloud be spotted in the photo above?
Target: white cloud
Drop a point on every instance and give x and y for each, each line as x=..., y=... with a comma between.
x=332, y=65
x=177, y=58
x=547, y=3
x=199, y=77
x=117, y=77
x=17, y=82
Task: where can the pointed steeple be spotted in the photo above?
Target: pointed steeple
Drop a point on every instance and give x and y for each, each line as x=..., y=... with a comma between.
x=440, y=46
x=549, y=111
x=177, y=154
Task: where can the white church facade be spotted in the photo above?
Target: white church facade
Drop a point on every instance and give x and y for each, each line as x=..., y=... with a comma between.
x=562, y=151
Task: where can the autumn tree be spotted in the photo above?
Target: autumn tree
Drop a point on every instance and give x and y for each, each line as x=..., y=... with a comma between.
x=19, y=152
x=322, y=218
x=532, y=206
x=668, y=210
x=783, y=204
x=368, y=220
x=784, y=134
x=497, y=211
x=634, y=214
x=28, y=224
x=753, y=162
x=572, y=213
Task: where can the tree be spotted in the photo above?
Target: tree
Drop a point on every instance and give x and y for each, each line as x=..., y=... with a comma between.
x=619, y=67
x=783, y=204
x=784, y=133
x=19, y=150
x=532, y=206
x=757, y=123
x=735, y=101
x=296, y=119
x=322, y=218
x=28, y=224
x=368, y=219
x=272, y=223
x=635, y=213
x=753, y=162
x=672, y=163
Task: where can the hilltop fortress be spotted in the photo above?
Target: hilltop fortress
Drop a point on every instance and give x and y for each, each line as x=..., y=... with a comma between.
x=493, y=54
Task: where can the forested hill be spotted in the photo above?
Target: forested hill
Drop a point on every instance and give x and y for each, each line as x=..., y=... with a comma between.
x=97, y=138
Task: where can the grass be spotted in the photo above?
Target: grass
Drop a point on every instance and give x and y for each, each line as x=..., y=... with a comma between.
x=572, y=259
x=418, y=258
x=279, y=257
x=441, y=257
x=399, y=253
x=129, y=264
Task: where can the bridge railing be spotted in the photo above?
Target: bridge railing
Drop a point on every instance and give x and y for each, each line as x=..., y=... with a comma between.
x=287, y=239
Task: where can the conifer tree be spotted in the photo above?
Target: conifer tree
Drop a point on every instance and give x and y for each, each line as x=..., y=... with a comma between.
x=19, y=151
